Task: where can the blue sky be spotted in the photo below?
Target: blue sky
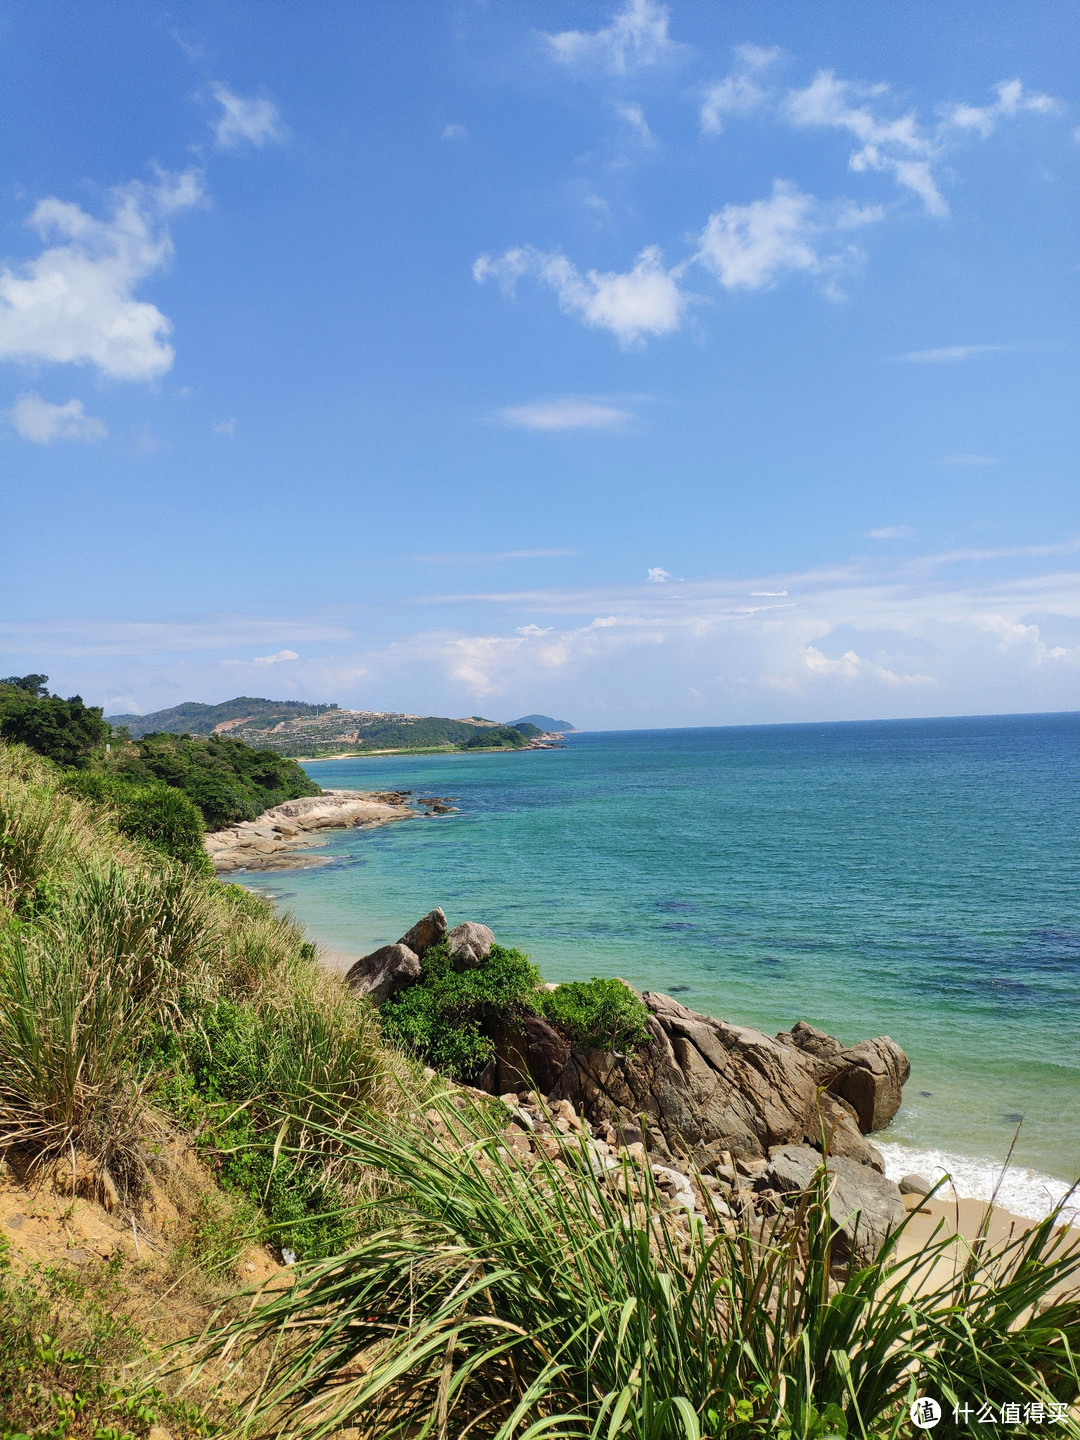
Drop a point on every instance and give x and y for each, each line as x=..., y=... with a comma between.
x=653, y=365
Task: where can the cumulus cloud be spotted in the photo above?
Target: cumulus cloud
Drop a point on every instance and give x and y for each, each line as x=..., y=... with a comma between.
x=276, y=659
x=890, y=532
x=226, y=427
x=645, y=300
x=75, y=303
x=41, y=422
x=568, y=412
x=245, y=120
x=658, y=576
x=633, y=116
x=747, y=246
x=636, y=39
x=454, y=131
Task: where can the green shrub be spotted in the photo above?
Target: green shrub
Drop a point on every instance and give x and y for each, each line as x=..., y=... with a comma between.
x=502, y=737
x=226, y=779
x=159, y=815
x=602, y=1014
x=445, y=1016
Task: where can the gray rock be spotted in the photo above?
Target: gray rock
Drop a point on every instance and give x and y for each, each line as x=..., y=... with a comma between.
x=915, y=1185
x=470, y=944
x=426, y=932
x=863, y=1204
x=383, y=972
x=702, y=1082
x=869, y=1076
x=530, y=1053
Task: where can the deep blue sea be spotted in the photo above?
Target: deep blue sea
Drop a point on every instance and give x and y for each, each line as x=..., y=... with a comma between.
x=917, y=878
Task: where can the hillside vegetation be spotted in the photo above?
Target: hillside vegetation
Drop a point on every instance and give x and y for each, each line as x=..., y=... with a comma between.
x=195, y=718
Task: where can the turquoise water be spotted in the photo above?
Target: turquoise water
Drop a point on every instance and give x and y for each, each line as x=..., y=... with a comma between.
x=915, y=878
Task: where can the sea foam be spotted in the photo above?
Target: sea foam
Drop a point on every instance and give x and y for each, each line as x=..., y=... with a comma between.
x=1023, y=1192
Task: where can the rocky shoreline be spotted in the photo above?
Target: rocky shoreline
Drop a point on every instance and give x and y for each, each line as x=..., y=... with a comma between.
x=282, y=837
x=707, y=1103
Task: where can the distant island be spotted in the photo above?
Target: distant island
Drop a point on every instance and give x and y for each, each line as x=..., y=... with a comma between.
x=545, y=722
x=296, y=728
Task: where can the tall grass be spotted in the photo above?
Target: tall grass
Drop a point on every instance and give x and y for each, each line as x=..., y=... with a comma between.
x=117, y=964
x=501, y=1300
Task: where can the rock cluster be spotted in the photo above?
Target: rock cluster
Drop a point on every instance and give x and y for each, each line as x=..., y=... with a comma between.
x=271, y=841
x=753, y=1196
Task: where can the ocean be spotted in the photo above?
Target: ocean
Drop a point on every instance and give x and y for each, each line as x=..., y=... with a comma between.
x=916, y=878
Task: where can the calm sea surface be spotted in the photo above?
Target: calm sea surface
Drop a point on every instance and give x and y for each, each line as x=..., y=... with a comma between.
x=915, y=878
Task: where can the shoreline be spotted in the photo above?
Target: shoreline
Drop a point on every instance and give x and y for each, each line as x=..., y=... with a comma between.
x=277, y=838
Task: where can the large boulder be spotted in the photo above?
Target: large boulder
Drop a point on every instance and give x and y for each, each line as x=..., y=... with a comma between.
x=863, y=1204
x=427, y=932
x=383, y=972
x=702, y=1082
x=530, y=1055
x=870, y=1076
x=470, y=944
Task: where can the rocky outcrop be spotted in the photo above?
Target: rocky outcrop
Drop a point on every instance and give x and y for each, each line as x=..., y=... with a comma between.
x=870, y=1076
x=427, y=931
x=470, y=944
x=274, y=841
x=705, y=1086
x=384, y=972
x=863, y=1204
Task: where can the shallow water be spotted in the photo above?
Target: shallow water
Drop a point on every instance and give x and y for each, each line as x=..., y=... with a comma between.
x=915, y=878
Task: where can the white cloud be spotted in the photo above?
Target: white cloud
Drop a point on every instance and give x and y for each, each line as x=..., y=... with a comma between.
x=738, y=93
x=37, y=420
x=895, y=144
x=74, y=303
x=1011, y=100
x=455, y=132
x=566, y=413
x=226, y=427
x=634, y=116
x=643, y=301
x=245, y=120
x=890, y=532
x=636, y=39
x=748, y=246
x=957, y=633
x=657, y=576
x=950, y=354
x=276, y=659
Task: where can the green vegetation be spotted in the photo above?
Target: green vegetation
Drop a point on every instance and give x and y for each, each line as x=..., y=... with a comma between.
x=602, y=1014
x=226, y=779
x=508, y=1297
x=496, y=737
x=66, y=731
x=160, y=815
x=447, y=1016
x=450, y=1017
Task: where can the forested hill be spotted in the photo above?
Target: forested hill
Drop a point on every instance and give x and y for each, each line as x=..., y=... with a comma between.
x=195, y=718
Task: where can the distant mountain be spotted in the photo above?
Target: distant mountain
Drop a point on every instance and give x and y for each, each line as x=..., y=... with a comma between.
x=291, y=727
x=546, y=723
x=194, y=718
